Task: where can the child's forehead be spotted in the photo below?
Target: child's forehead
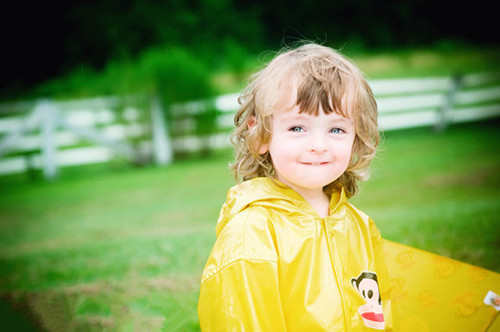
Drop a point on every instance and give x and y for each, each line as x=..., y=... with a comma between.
x=287, y=104
x=313, y=97
x=294, y=112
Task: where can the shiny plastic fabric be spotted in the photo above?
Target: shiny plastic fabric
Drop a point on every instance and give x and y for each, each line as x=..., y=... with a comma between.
x=278, y=266
x=435, y=293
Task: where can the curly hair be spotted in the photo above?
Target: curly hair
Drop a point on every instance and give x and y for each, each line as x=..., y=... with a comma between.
x=316, y=76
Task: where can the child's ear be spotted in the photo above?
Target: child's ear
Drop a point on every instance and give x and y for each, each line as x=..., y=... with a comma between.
x=263, y=148
x=252, y=122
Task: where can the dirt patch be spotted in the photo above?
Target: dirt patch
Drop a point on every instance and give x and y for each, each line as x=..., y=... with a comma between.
x=87, y=289
x=92, y=322
x=54, y=310
x=140, y=284
x=176, y=284
x=479, y=177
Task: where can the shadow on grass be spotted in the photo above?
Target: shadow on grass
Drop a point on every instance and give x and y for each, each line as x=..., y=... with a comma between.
x=42, y=312
x=18, y=315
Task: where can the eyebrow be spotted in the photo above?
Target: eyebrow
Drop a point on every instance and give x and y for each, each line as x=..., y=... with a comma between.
x=297, y=117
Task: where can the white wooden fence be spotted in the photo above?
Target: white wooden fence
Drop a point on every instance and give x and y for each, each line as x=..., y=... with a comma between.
x=48, y=134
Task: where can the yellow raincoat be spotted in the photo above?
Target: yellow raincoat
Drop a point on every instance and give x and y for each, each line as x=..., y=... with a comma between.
x=278, y=266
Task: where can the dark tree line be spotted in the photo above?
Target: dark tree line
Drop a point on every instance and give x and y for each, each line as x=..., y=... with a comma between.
x=43, y=39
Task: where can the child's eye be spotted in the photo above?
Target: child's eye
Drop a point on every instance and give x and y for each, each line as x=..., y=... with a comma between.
x=296, y=129
x=337, y=131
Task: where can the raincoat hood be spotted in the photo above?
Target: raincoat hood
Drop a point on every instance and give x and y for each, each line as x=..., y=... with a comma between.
x=271, y=193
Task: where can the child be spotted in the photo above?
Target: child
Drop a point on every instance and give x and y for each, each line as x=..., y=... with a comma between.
x=292, y=254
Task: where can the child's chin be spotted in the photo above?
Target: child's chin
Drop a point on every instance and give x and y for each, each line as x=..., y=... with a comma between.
x=314, y=184
x=320, y=183
x=310, y=181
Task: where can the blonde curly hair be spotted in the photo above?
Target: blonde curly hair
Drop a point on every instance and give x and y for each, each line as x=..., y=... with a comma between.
x=320, y=76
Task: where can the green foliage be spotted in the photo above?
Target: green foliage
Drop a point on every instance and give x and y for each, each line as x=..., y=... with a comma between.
x=174, y=74
x=235, y=56
x=205, y=125
x=121, y=29
x=171, y=72
x=206, y=122
x=194, y=75
x=92, y=34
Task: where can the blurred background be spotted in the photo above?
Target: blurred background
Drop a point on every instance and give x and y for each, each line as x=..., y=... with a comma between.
x=114, y=124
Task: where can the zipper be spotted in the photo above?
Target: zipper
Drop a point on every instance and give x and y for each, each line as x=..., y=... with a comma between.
x=337, y=271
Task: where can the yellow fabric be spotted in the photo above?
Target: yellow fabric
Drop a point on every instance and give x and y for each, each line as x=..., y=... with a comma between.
x=278, y=266
x=435, y=293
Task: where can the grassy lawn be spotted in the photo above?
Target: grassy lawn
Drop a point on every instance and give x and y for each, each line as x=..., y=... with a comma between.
x=112, y=248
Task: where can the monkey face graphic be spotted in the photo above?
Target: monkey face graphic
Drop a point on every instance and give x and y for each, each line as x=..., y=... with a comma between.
x=371, y=312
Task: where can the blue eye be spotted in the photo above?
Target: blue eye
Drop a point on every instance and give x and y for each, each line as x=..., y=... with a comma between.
x=337, y=131
x=296, y=129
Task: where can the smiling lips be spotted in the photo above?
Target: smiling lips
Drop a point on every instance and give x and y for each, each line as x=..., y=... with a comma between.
x=319, y=163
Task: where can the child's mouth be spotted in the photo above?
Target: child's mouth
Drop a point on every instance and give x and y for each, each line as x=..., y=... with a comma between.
x=320, y=163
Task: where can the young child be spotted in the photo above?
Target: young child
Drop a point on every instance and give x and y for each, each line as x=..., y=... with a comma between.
x=292, y=254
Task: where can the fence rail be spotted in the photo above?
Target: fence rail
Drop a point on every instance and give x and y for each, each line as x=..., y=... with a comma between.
x=49, y=134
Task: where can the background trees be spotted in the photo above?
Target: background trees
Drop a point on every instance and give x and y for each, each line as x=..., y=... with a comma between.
x=50, y=39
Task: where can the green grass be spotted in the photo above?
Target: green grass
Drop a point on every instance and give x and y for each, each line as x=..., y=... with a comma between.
x=114, y=248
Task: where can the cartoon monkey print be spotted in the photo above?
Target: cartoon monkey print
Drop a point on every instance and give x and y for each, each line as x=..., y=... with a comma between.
x=371, y=312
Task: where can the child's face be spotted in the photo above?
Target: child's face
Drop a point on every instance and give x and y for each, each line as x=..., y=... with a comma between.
x=309, y=152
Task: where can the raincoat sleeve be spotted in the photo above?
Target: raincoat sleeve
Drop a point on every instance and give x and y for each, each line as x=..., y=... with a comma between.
x=240, y=284
x=436, y=293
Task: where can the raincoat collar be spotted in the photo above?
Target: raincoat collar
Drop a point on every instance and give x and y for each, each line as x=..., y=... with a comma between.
x=270, y=192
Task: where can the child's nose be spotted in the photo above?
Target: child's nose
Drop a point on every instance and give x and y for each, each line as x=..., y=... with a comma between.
x=318, y=144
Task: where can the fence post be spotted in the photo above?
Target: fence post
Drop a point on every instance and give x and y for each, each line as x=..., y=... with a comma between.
x=49, y=144
x=443, y=111
x=162, y=146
